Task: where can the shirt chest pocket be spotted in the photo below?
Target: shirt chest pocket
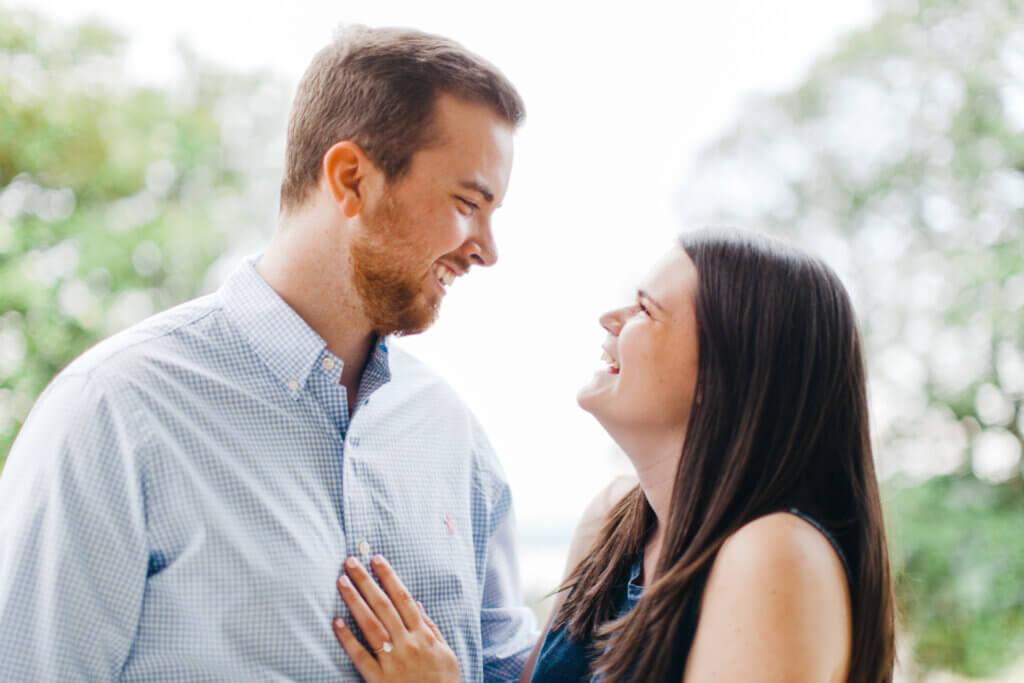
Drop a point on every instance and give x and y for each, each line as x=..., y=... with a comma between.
x=425, y=520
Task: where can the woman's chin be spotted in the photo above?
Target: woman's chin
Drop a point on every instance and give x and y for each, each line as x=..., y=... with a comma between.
x=595, y=392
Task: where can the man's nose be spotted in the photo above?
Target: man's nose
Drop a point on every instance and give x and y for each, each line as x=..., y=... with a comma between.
x=482, y=251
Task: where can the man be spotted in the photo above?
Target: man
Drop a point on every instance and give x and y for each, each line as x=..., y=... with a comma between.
x=180, y=501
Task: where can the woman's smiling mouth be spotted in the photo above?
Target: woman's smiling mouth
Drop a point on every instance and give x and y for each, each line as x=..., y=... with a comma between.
x=613, y=365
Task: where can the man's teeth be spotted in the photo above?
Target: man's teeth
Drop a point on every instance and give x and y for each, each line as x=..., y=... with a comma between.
x=612, y=363
x=445, y=275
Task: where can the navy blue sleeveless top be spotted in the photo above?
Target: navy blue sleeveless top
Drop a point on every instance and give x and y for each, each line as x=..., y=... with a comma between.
x=568, y=661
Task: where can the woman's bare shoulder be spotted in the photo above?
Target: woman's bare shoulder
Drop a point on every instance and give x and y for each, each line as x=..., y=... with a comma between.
x=777, y=585
x=782, y=540
x=608, y=497
x=594, y=516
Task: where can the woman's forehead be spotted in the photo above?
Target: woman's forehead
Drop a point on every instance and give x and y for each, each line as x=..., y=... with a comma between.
x=672, y=281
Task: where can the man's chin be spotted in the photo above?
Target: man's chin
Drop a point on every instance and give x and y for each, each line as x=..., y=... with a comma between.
x=413, y=320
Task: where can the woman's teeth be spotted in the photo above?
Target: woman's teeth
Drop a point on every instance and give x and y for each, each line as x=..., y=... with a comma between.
x=445, y=275
x=613, y=365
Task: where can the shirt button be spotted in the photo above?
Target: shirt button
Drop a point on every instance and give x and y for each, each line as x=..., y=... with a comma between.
x=328, y=363
x=364, y=548
x=293, y=385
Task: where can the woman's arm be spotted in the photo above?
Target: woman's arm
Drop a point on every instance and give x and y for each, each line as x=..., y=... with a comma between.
x=776, y=608
x=582, y=541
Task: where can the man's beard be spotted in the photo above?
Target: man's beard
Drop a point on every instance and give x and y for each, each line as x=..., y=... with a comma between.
x=392, y=295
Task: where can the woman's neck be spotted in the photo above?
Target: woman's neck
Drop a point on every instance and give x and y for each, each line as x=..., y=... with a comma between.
x=656, y=465
x=655, y=459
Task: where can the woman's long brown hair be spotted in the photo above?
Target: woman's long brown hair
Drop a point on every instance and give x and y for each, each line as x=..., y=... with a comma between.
x=781, y=421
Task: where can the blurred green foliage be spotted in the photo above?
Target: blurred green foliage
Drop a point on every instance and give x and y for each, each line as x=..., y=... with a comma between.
x=962, y=570
x=900, y=159
x=115, y=198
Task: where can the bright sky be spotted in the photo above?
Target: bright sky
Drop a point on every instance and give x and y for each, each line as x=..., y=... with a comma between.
x=619, y=98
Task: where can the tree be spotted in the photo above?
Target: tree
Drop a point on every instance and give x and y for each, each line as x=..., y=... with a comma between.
x=900, y=158
x=115, y=198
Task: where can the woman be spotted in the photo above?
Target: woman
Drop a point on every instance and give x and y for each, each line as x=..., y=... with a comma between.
x=752, y=545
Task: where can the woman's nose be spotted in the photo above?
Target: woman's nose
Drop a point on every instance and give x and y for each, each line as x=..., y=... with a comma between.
x=612, y=321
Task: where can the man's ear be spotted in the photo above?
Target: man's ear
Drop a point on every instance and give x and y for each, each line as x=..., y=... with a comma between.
x=346, y=170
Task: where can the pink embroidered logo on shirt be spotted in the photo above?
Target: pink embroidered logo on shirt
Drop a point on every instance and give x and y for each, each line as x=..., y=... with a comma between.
x=448, y=525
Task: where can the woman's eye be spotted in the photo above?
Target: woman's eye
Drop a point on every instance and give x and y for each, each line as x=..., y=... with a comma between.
x=640, y=305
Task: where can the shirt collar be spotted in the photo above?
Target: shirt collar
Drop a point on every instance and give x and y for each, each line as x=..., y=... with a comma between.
x=377, y=371
x=280, y=338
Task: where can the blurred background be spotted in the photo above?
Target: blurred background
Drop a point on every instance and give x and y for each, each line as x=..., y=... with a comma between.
x=141, y=148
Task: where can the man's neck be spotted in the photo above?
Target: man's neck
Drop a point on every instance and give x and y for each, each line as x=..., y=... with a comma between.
x=308, y=268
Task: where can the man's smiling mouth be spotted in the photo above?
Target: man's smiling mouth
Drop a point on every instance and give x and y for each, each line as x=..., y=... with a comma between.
x=445, y=275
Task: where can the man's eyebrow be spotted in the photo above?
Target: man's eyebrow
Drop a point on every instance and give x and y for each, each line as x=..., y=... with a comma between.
x=479, y=187
x=641, y=294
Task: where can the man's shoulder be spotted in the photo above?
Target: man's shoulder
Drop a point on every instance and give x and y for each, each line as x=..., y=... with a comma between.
x=417, y=379
x=96, y=401
x=414, y=375
x=169, y=335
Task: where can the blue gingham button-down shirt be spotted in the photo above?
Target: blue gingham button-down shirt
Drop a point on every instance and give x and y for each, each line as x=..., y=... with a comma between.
x=179, y=502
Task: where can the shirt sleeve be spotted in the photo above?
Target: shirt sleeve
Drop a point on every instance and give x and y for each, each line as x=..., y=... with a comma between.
x=72, y=538
x=507, y=625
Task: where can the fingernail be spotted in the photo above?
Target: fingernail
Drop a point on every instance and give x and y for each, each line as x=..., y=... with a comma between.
x=351, y=563
x=339, y=623
x=377, y=560
x=344, y=581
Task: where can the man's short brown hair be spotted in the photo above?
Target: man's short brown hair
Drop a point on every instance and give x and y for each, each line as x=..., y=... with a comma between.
x=377, y=87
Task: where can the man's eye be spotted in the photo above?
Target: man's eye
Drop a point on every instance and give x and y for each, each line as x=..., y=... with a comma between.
x=640, y=305
x=468, y=204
